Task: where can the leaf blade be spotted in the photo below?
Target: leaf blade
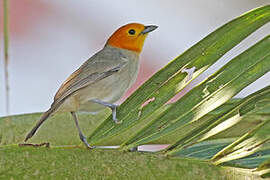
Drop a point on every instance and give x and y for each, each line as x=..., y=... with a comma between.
x=221, y=86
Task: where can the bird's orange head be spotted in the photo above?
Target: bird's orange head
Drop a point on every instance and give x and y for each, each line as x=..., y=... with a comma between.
x=130, y=36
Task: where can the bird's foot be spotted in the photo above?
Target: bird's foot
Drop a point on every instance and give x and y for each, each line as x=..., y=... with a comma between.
x=84, y=140
x=113, y=108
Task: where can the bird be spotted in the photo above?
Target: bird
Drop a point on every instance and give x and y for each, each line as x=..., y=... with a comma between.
x=101, y=80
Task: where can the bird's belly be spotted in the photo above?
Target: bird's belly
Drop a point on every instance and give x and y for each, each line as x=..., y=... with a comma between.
x=109, y=90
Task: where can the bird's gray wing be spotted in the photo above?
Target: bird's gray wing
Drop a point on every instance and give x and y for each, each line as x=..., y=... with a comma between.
x=89, y=73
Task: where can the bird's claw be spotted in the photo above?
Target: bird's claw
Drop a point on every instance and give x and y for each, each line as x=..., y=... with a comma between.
x=83, y=138
x=117, y=121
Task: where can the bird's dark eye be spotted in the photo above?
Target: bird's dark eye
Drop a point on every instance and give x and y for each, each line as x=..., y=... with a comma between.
x=131, y=32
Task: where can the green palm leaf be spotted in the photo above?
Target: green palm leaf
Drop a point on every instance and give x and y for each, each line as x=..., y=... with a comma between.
x=213, y=92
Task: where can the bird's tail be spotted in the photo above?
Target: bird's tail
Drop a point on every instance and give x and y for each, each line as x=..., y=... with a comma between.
x=43, y=118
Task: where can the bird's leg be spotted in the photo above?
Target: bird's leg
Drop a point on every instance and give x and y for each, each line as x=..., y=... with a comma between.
x=82, y=137
x=111, y=106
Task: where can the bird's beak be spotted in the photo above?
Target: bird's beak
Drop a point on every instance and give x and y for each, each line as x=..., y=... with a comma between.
x=148, y=29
